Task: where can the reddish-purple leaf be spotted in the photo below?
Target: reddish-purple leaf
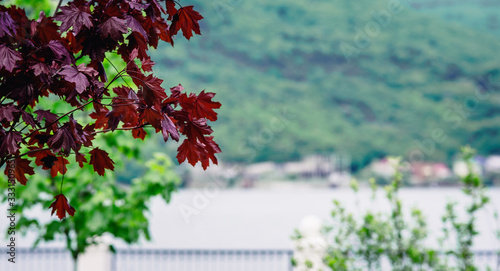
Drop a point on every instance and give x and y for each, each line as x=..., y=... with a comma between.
x=204, y=107
x=80, y=159
x=60, y=52
x=46, y=29
x=62, y=206
x=100, y=160
x=139, y=133
x=114, y=28
x=73, y=75
x=47, y=115
x=63, y=139
x=10, y=142
x=8, y=58
x=133, y=24
x=187, y=20
x=28, y=118
x=147, y=65
x=7, y=25
x=57, y=166
x=153, y=93
x=40, y=68
x=19, y=168
x=171, y=10
x=7, y=111
x=168, y=128
x=72, y=16
x=189, y=151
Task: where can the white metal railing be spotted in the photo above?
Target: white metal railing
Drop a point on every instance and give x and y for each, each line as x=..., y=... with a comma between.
x=50, y=259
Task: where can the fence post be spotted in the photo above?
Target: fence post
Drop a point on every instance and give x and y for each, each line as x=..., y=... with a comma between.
x=498, y=260
x=96, y=258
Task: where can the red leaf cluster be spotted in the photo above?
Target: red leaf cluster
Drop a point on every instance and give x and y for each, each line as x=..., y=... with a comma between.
x=63, y=56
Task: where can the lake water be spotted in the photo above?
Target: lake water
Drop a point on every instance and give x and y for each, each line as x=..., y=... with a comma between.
x=266, y=218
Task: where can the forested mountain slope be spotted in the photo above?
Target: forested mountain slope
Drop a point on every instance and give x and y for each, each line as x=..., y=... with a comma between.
x=414, y=75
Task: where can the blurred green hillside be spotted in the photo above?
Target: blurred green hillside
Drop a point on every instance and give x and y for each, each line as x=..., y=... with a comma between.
x=263, y=57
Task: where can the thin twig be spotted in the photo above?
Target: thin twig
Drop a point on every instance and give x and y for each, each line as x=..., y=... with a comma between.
x=122, y=128
x=31, y=151
x=48, y=125
x=58, y=6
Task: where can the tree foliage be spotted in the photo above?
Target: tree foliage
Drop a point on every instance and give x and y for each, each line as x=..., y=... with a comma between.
x=395, y=239
x=62, y=57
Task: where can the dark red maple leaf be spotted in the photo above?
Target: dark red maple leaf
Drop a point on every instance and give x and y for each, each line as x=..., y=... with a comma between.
x=168, y=128
x=171, y=10
x=188, y=150
x=60, y=53
x=100, y=116
x=201, y=106
x=139, y=133
x=59, y=165
x=7, y=111
x=152, y=91
x=48, y=161
x=100, y=160
x=72, y=16
x=39, y=138
x=63, y=139
x=211, y=148
x=10, y=142
x=40, y=68
x=136, y=5
x=80, y=159
x=7, y=25
x=133, y=24
x=113, y=27
x=61, y=206
x=147, y=65
x=39, y=155
x=187, y=20
x=157, y=7
x=195, y=151
x=28, y=118
x=46, y=29
x=196, y=129
x=19, y=167
x=48, y=116
x=8, y=58
x=73, y=75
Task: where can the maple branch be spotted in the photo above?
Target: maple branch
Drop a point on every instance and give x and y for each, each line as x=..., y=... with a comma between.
x=178, y=3
x=120, y=98
x=5, y=97
x=2, y=161
x=116, y=105
x=135, y=77
x=122, y=128
x=56, y=120
x=114, y=78
x=116, y=69
x=31, y=151
x=24, y=128
x=58, y=6
x=80, y=56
